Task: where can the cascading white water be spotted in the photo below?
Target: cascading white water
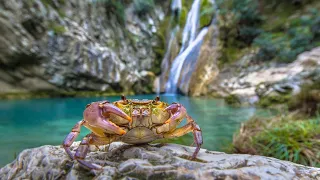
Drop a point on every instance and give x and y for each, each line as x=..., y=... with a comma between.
x=172, y=84
x=175, y=8
x=190, y=41
x=191, y=27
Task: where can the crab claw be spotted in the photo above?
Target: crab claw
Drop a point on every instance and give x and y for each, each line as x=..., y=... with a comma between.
x=110, y=108
x=178, y=112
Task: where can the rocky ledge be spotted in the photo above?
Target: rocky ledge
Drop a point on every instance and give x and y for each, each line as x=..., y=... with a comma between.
x=249, y=82
x=169, y=161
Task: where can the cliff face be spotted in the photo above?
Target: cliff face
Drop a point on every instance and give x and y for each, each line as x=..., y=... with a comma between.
x=77, y=45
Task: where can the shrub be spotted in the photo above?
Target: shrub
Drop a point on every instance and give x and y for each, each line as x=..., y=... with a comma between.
x=269, y=46
x=281, y=137
x=268, y=101
x=117, y=8
x=307, y=101
x=142, y=7
x=295, y=141
x=207, y=12
x=301, y=34
x=249, y=19
x=232, y=100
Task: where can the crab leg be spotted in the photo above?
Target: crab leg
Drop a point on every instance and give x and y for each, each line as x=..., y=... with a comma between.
x=82, y=151
x=71, y=137
x=190, y=126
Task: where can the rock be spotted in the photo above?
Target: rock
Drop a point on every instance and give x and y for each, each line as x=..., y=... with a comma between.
x=206, y=69
x=76, y=45
x=156, y=161
x=263, y=79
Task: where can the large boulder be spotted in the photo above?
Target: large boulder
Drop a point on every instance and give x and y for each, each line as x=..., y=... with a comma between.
x=157, y=161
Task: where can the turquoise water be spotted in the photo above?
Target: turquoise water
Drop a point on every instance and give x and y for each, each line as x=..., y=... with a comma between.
x=31, y=123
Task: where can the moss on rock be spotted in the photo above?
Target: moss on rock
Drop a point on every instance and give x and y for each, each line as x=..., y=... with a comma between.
x=275, y=99
x=232, y=100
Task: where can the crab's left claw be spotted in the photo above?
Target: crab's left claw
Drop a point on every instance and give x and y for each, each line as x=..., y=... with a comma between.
x=110, y=108
x=178, y=113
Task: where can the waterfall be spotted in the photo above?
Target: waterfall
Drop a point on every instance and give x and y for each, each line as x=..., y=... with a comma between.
x=192, y=23
x=175, y=8
x=190, y=54
x=191, y=43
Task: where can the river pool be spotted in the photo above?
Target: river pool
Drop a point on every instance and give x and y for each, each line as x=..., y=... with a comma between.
x=31, y=123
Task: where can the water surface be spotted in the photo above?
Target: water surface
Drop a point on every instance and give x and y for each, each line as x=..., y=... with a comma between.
x=31, y=123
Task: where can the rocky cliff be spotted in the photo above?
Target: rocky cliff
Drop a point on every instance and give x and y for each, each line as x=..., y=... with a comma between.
x=157, y=161
x=250, y=82
x=78, y=45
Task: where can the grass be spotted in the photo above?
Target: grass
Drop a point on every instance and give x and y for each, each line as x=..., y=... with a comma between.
x=293, y=136
x=282, y=137
x=307, y=101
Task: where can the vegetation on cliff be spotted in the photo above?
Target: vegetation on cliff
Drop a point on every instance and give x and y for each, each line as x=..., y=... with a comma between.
x=279, y=29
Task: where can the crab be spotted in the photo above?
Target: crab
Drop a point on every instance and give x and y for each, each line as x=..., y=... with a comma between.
x=131, y=121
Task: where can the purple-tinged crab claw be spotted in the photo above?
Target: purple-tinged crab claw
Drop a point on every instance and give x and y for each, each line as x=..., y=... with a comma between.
x=110, y=108
x=177, y=110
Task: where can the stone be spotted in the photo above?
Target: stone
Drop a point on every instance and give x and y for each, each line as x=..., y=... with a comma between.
x=155, y=161
x=75, y=45
x=264, y=79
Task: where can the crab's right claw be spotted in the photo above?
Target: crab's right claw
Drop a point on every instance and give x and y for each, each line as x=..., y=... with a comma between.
x=110, y=108
x=178, y=112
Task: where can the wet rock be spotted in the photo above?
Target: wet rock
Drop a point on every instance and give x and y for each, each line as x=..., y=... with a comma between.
x=156, y=161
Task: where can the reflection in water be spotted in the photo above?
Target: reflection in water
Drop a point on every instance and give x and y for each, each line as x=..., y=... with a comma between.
x=32, y=123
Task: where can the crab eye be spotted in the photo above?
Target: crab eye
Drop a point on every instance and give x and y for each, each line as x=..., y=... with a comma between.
x=135, y=112
x=145, y=112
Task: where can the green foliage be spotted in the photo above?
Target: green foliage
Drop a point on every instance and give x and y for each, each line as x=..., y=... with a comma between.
x=248, y=19
x=57, y=28
x=116, y=7
x=295, y=141
x=239, y=24
x=232, y=100
x=300, y=34
x=57, y=5
x=206, y=13
x=280, y=29
x=268, y=101
x=156, y=67
x=282, y=137
x=186, y=6
x=54, y=4
x=142, y=7
x=271, y=45
x=307, y=101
